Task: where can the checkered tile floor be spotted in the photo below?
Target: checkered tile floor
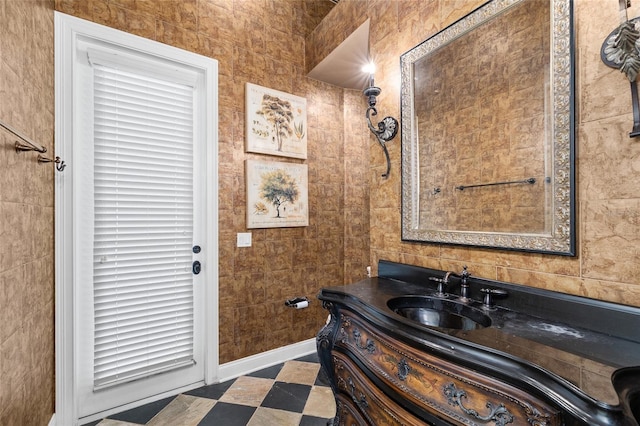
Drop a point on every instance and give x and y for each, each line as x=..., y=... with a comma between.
x=295, y=393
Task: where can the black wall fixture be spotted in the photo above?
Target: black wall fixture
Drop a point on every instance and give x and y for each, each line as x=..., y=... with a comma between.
x=620, y=50
x=387, y=127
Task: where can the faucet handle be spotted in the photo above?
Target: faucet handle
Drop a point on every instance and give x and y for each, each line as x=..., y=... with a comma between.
x=464, y=284
x=487, y=303
x=464, y=275
x=441, y=283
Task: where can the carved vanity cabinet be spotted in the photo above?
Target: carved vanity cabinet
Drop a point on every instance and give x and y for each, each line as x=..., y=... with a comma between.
x=538, y=358
x=382, y=380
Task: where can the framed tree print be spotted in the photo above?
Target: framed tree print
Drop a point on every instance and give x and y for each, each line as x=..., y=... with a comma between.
x=276, y=122
x=277, y=194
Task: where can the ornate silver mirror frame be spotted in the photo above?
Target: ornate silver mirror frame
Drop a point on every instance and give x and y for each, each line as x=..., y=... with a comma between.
x=558, y=235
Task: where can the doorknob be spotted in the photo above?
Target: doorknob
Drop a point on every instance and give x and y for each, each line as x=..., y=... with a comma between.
x=196, y=267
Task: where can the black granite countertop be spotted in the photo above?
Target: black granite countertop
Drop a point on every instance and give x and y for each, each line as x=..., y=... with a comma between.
x=580, y=359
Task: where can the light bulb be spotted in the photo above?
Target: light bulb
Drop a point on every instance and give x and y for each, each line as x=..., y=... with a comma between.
x=370, y=68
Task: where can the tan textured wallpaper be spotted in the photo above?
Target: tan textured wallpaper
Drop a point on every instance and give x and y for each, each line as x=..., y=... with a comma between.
x=263, y=42
x=607, y=266
x=26, y=215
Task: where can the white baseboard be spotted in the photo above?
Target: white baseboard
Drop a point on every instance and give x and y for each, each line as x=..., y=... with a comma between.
x=252, y=363
x=52, y=422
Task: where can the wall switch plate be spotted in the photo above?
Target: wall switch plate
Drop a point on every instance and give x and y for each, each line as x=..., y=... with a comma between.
x=244, y=239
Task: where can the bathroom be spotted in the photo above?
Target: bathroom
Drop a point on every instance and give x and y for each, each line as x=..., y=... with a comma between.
x=354, y=217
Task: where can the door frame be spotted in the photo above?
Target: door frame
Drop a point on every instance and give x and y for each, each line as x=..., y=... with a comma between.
x=67, y=31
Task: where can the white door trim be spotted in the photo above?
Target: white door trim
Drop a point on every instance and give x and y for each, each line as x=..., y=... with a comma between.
x=67, y=31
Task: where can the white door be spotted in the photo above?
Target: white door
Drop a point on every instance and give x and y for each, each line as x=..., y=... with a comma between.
x=141, y=256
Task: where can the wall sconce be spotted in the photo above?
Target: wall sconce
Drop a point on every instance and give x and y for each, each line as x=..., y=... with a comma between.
x=387, y=127
x=620, y=51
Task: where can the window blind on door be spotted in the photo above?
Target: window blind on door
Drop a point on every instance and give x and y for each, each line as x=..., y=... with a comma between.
x=143, y=221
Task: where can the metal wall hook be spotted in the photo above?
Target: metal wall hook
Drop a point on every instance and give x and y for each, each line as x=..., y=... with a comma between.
x=58, y=162
x=22, y=147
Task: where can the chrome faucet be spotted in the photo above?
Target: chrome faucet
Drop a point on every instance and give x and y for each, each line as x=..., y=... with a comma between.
x=444, y=282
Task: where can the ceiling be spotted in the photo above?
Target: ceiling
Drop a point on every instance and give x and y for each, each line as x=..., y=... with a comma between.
x=343, y=66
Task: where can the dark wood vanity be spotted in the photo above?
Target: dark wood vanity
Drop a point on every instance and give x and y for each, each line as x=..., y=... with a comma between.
x=398, y=353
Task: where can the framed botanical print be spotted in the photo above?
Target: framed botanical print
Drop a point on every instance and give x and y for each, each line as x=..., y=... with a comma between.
x=277, y=194
x=276, y=122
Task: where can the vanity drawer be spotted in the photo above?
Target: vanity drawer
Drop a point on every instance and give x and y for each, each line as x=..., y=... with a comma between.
x=362, y=401
x=459, y=394
x=347, y=413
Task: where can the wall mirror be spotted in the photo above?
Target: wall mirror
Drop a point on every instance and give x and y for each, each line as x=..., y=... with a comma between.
x=488, y=130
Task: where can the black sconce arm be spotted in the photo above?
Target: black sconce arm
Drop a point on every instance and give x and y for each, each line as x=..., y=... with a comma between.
x=387, y=127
